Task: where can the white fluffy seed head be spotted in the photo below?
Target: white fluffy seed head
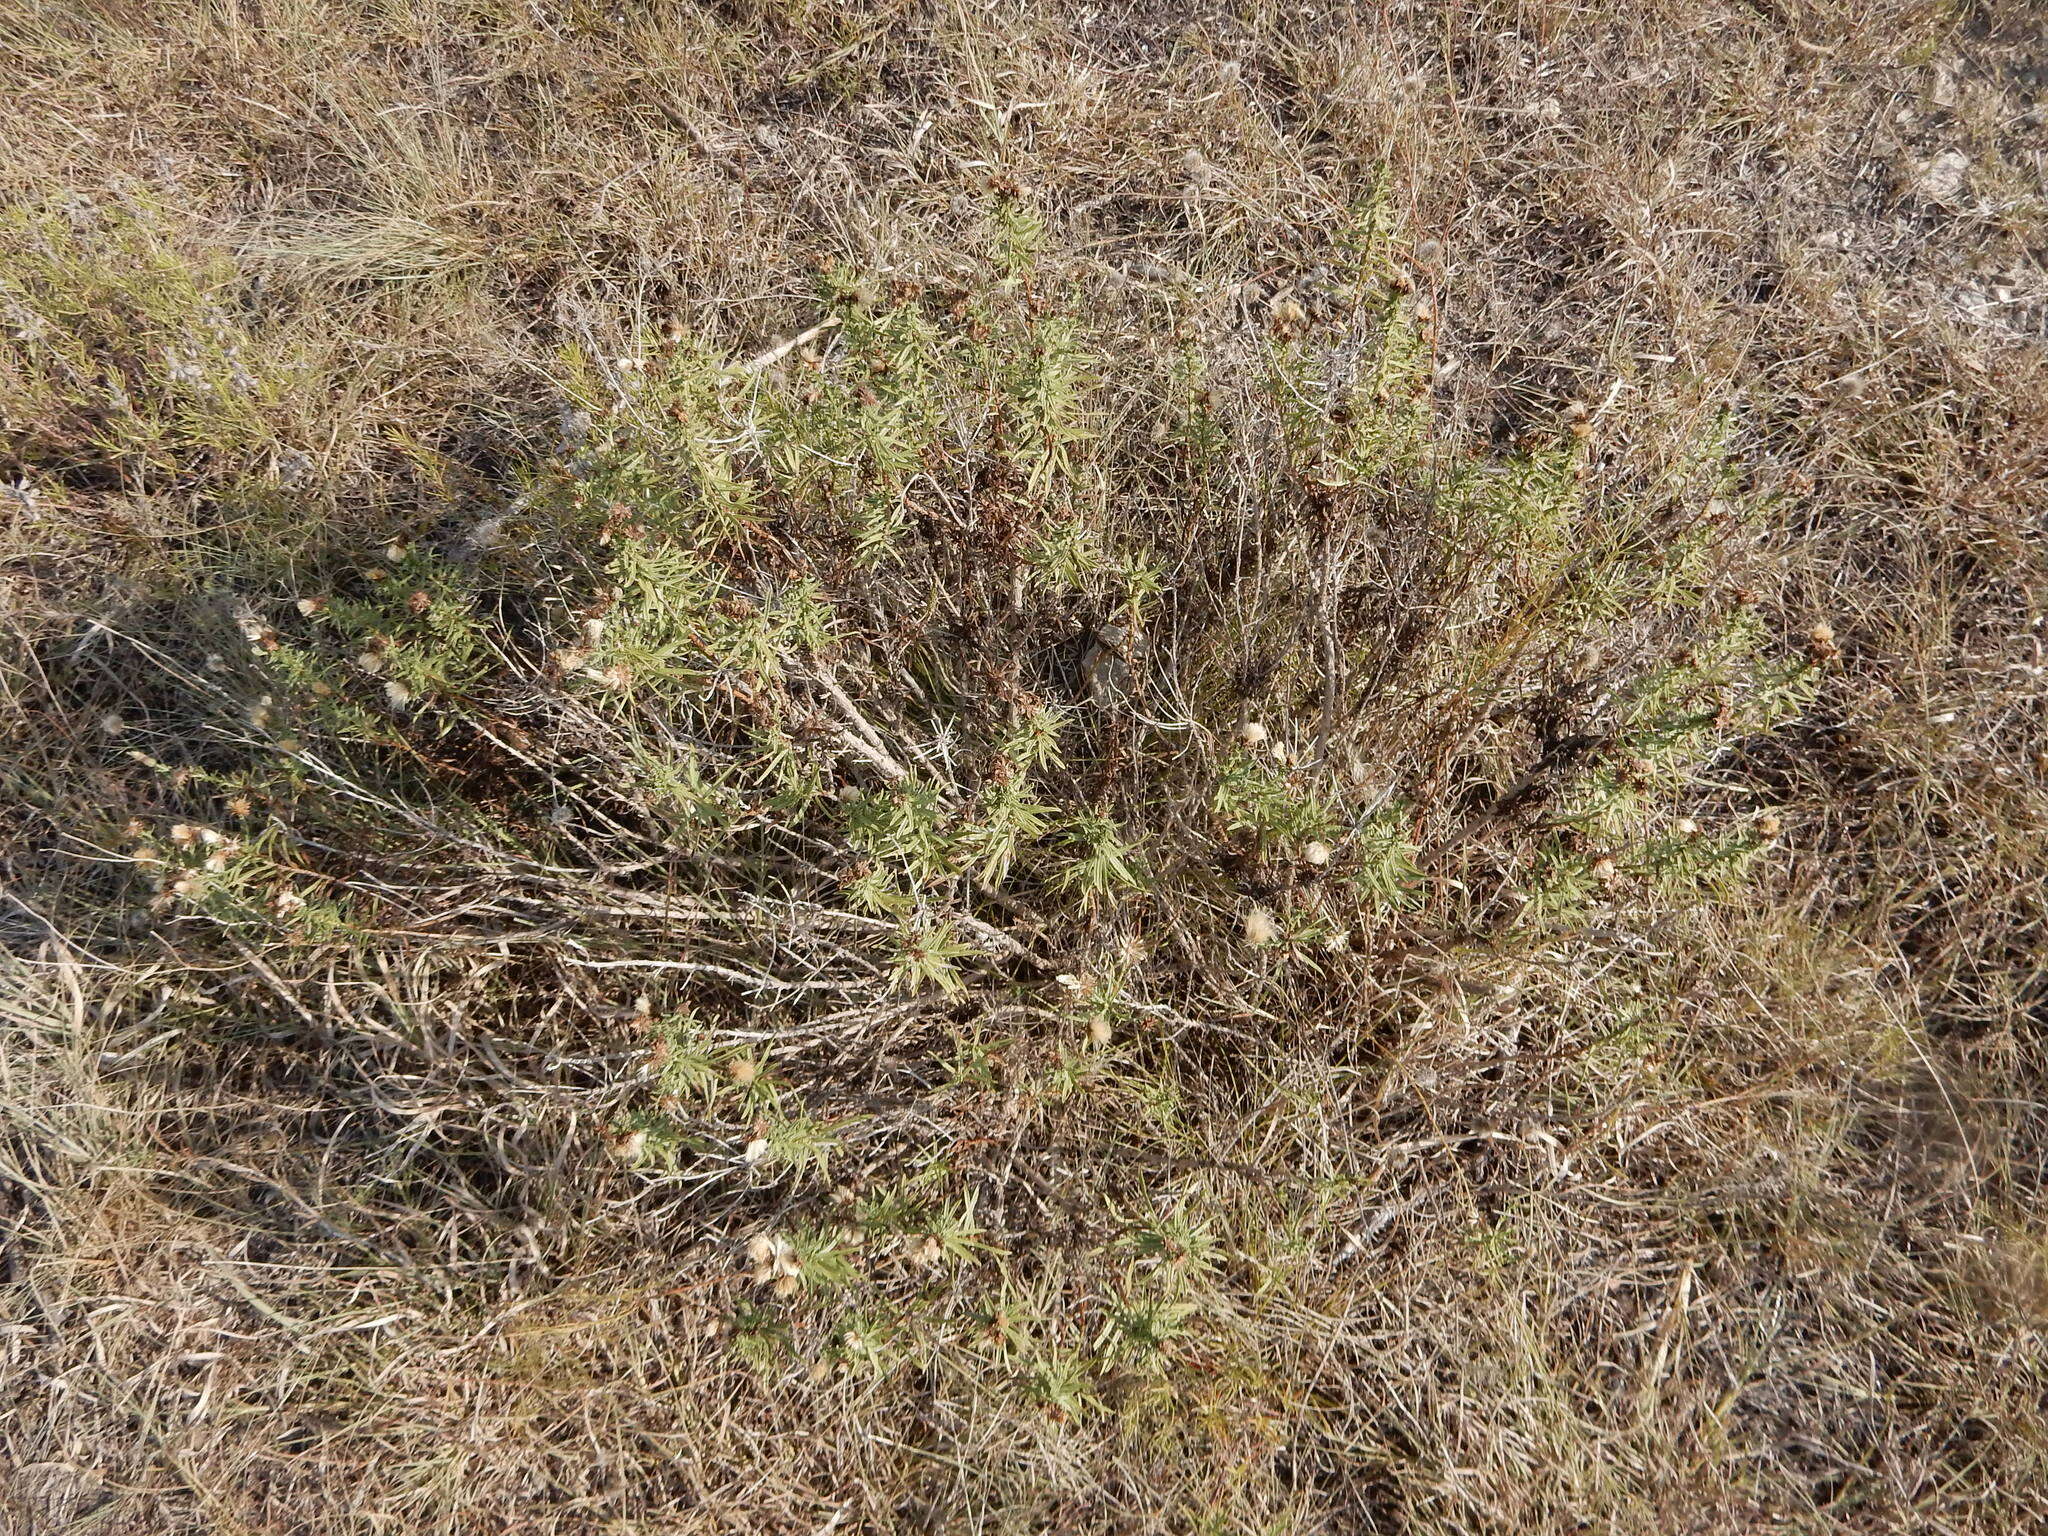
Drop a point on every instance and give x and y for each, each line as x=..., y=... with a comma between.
x=1252, y=734
x=1259, y=927
x=1317, y=853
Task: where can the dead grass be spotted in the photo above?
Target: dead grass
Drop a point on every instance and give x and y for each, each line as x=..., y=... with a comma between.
x=1636, y=1127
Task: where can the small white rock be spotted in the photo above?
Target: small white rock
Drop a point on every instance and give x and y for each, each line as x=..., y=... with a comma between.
x=1942, y=179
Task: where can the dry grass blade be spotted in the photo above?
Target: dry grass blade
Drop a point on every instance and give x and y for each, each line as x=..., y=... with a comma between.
x=984, y=767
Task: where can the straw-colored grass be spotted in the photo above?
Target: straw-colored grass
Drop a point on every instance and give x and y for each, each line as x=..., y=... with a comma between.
x=1008, y=768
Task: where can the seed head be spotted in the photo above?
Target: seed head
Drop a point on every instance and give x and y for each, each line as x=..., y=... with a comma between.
x=1259, y=927
x=1317, y=854
x=1252, y=734
x=774, y=1259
